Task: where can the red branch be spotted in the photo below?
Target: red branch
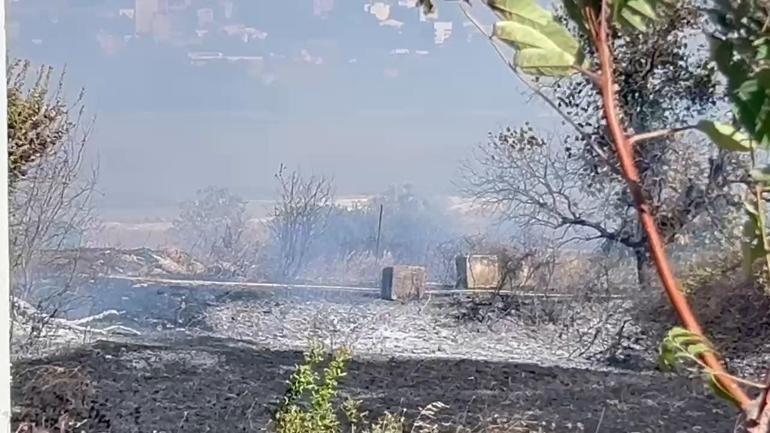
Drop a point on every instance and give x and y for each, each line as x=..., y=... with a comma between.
x=624, y=150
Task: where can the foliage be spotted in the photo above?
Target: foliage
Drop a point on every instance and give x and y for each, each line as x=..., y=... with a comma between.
x=566, y=183
x=349, y=230
x=311, y=402
x=40, y=119
x=212, y=227
x=299, y=219
x=308, y=403
x=543, y=46
x=734, y=310
x=682, y=348
x=740, y=48
x=411, y=225
x=741, y=53
x=51, y=192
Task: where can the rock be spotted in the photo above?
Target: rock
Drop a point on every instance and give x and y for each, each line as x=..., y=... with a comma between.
x=401, y=283
x=478, y=271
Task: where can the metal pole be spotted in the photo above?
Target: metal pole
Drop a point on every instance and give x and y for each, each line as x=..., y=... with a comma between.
x=5, y=279
x=379, y=232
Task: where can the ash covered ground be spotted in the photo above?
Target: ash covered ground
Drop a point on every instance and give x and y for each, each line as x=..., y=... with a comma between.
x=288, y=319
x=213, y=359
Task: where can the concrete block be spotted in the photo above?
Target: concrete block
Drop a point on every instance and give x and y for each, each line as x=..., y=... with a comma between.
x=479, y=271
x=401, y=283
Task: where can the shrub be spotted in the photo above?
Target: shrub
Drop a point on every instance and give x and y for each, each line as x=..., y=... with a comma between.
x=308, y=405
x=312, y=404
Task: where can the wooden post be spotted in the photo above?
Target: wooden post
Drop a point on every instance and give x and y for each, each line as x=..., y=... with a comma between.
x=379, y=232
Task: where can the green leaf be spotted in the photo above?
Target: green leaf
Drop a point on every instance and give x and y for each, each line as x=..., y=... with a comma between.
x=538, y=54
x=698, y=349
x=749, y=89
x=667, y=359
x=643, y=7
x=726, y=136
x=521, y=11
x=750, y=94
x=754, y=243
x=631, y=19
x=543, y=45
x=683, y=337
x=681, y=345
x=762, y=49
x=549, y=63
x=523, y=36
x=635, y=14
x=720, y=391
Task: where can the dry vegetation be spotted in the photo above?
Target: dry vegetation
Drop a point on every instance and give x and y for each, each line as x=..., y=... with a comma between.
x=214, y=360
x=218, y=385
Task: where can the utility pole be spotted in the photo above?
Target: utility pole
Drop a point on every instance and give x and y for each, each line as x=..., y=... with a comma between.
x=379, y=233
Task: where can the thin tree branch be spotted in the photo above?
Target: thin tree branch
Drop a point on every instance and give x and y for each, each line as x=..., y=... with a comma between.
x=634, y=139
x=594, y=76
x=600, y=34
x=532, y=87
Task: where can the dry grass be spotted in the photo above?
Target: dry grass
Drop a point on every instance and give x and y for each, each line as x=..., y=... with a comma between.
x=54, y=399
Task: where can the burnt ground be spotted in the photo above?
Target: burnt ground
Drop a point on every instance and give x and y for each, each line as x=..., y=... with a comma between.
x=216, y=385
x=213, y=360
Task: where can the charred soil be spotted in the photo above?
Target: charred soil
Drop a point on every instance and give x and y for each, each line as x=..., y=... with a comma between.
x=209, y=384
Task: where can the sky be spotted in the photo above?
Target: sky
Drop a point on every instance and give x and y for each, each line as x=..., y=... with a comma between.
x=191, y=93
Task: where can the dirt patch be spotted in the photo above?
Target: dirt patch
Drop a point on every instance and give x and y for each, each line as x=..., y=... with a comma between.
x=215, y=385
x=93, y=262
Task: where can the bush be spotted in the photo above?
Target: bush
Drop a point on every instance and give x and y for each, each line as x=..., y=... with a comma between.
x=312, y=404
x=308, y=405
x=732, y=307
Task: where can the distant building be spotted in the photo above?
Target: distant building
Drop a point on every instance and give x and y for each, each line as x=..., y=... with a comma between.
x=162, y=29
x=228, y=9
x=179, y=5
x=205, y=17
x=379, y=9
x=148, y=14
x=144, y=15
x=322, y=7
x=443, y=29
x=128, y=13
x=205, y=55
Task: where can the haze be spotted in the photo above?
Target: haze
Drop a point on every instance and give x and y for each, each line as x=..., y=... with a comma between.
x=190, y=93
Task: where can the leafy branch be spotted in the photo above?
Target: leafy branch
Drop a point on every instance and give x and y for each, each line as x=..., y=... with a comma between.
x=681, y=347
x=741, y=48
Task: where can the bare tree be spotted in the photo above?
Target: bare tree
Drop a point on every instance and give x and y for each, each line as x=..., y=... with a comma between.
x=51, y=190
x=523, y=177
x=575, y=188
x=212, y=228
x=298, y=219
